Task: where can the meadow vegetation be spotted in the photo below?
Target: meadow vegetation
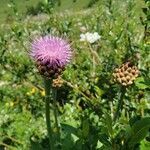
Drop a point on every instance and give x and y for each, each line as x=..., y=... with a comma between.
x=95, y=111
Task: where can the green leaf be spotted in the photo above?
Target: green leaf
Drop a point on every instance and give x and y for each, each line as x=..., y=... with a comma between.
x=99, y=91
x=99, y=144
x=139, y=130
x=85, y=128
x=68, y=136
x=133, y=120
x=69, y=129
x=36, y=146
x=103, y=138
x=107, y=120
x=145, y=145
x=141, y=84
x=74, y=137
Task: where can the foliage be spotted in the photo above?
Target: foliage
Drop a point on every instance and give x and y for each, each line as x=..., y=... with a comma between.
x=88, y=99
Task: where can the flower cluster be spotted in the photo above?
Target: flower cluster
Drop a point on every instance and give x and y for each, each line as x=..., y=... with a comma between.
x=90, y=37
x=126, y=74
x=51, y=55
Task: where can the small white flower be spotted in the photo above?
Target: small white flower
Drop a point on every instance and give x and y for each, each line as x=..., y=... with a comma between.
x=82, y=37
x=90, y=37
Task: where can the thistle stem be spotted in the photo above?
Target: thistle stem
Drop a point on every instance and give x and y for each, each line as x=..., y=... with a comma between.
x=47, y=83
x=54, y=92
x=120, y=103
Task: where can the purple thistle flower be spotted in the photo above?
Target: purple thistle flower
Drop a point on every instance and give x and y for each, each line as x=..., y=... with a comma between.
x=51, y=50
x=51, y=54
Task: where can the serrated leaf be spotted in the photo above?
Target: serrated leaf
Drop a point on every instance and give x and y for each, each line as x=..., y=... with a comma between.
x=139, y=130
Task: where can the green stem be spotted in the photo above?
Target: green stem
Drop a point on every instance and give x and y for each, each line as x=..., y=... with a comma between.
x=47, y=83
x=94, y=67
x=120, y=103
x=54, y=92
x=94, y=56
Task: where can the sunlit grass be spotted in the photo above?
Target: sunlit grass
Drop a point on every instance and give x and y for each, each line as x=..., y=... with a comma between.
x=22, y=6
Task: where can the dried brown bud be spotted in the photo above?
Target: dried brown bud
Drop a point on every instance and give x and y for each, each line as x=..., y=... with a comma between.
x=121, y=74
x=116, y=70
x=58, y=82
x=129, y=69
x=124, y=84
x=128, y=78
x=126, y=74
x=130, y=82
x=119, y=80
x=124, y=79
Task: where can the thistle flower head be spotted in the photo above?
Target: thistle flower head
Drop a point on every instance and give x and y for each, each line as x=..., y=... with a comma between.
x=51, y=54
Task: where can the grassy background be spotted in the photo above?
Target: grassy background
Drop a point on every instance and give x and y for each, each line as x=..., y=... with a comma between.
x=86, y=100
x=67, y=4
x=22, y=6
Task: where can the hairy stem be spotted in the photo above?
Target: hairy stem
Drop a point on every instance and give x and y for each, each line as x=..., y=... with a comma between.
x=47, y=83
x=54, y=92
